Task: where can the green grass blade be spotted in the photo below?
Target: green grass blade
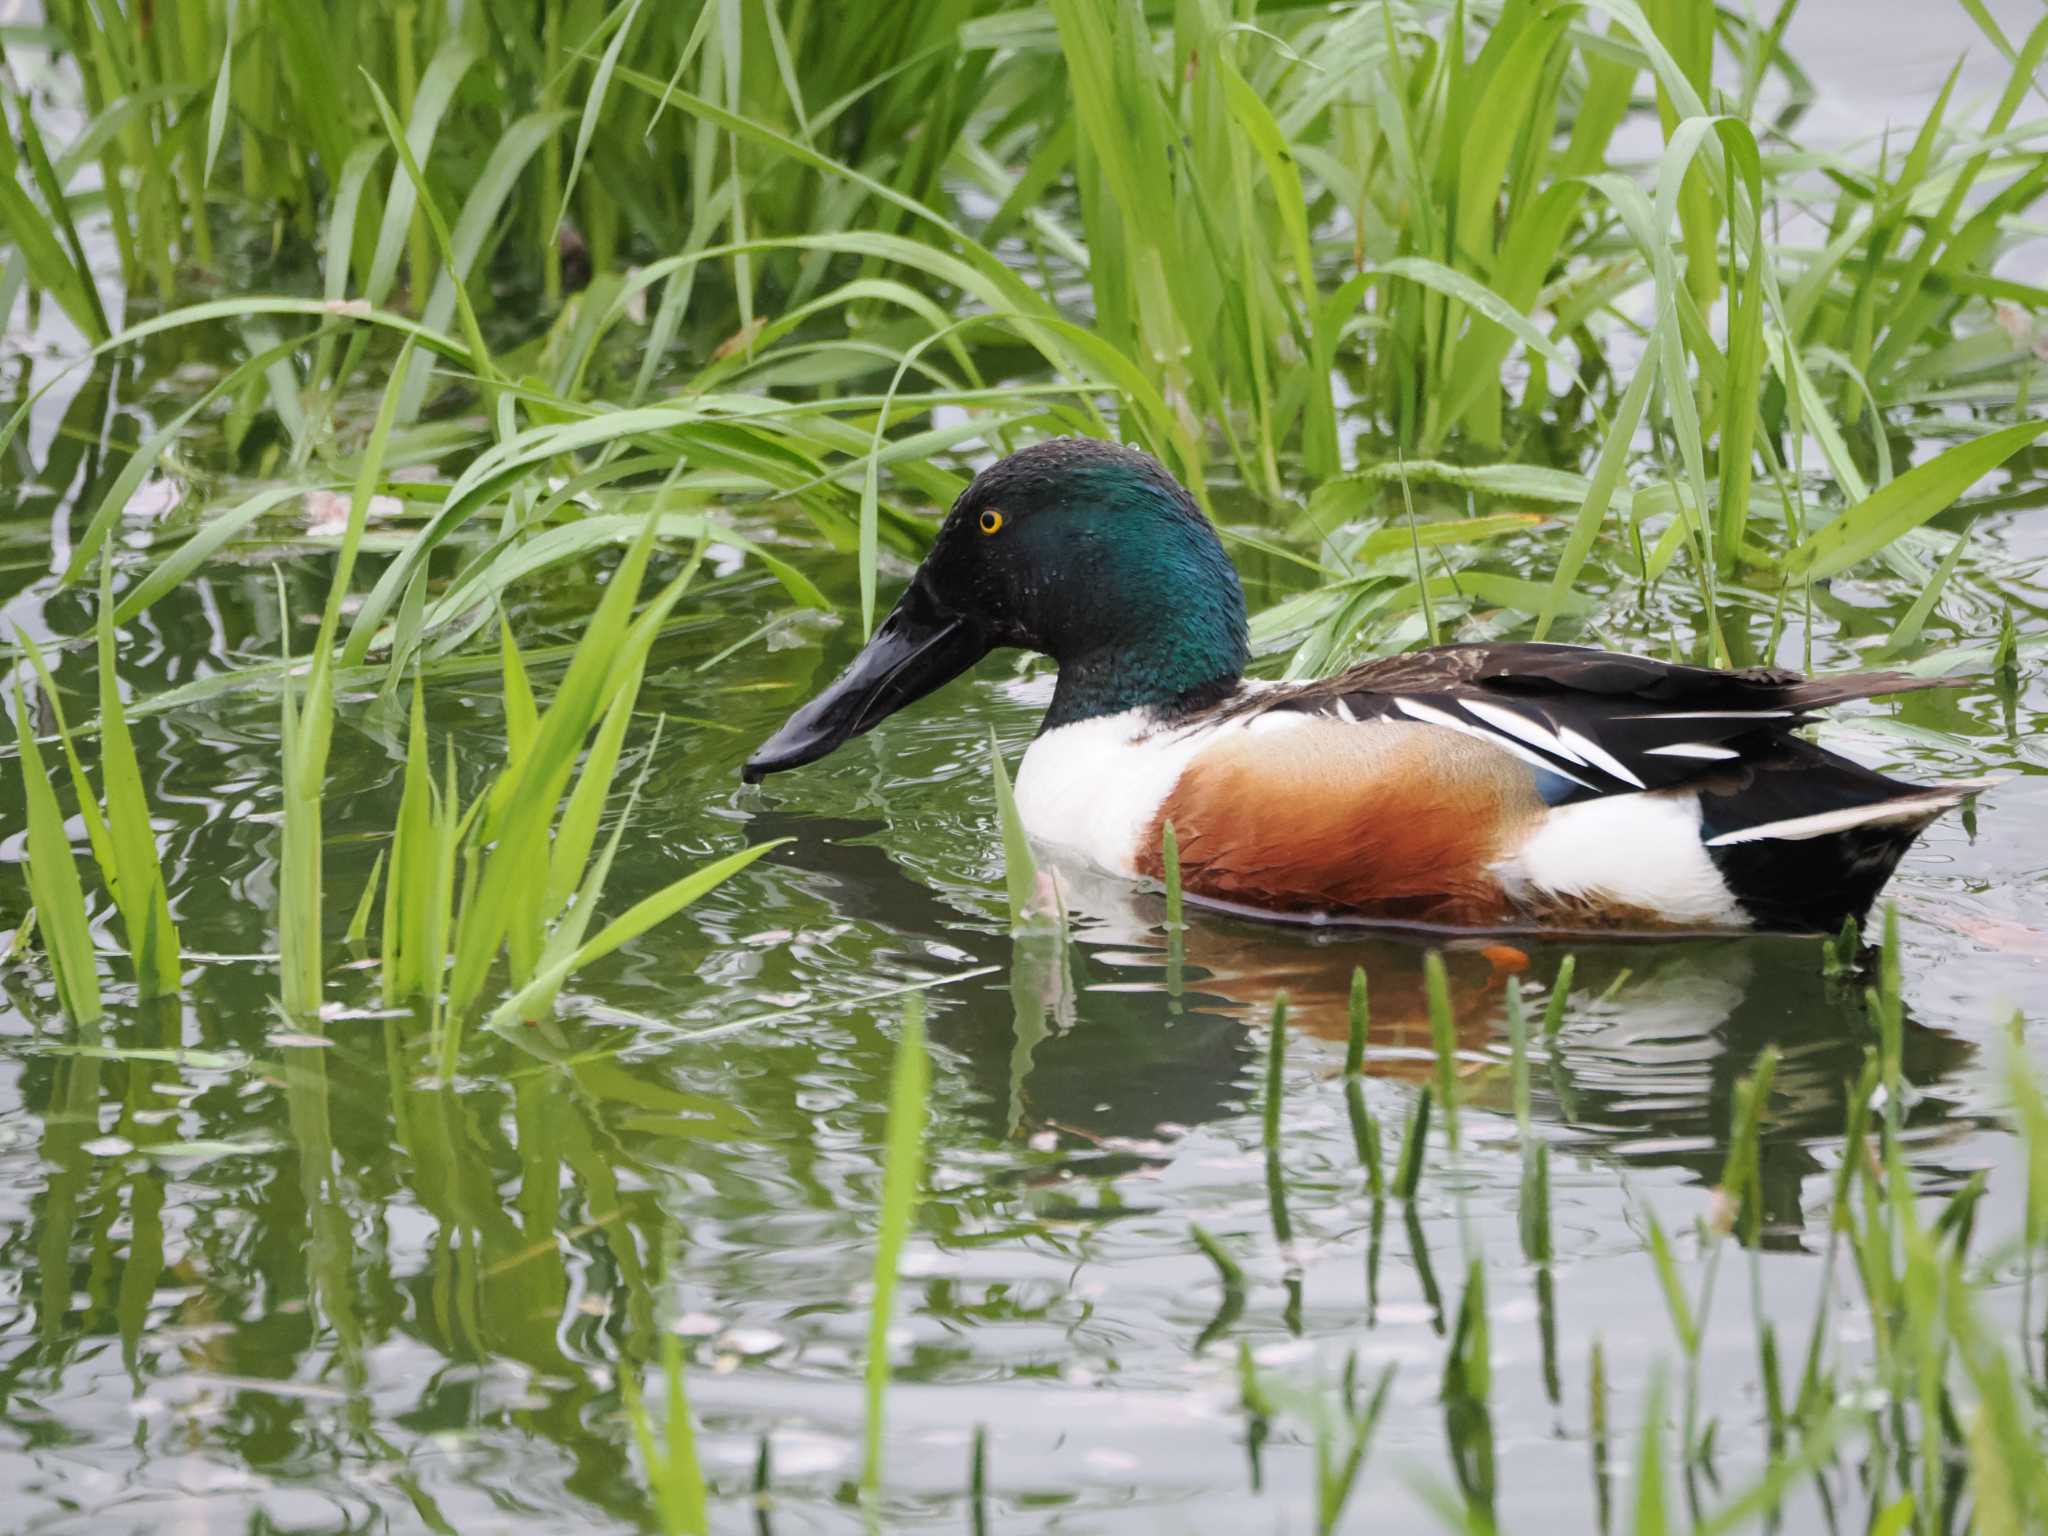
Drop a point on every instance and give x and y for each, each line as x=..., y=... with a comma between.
x=1414, y=1146
x=1560, y=998
x=430, y=103
x=217, y=109
x=1444, y=1038
x=472, y=331
x=624, y=928
x=136, y=877
x=480, y=218
x=1020, y=869
x=51, y=186
x=359, y=925
x=1483, y=301
x=1608, y=469
x=1906, y=502
x=902, y=1174
x=414, y=934
x=53, y=881
x=89, y=811
x=342, y=219
x=594, y=100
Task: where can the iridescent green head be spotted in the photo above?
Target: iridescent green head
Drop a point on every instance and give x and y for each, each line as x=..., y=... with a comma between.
x=1086, y=551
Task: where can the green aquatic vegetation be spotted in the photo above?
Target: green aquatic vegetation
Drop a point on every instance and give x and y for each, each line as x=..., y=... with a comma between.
x=1533, y=1216
x=1029, y=912
x=53, y=882
x=1948, y=1399
x=1230, y=1275
x=1169, y=867
x=305, y=736
x=118, y=826
x=1443, y=1039
x=1270, y=1117
x=1343, y=1424
x=520, y=870
x=1422, y=202
x=675, y=1476
x=903, y=1161
x=130, y=861
x=641, y=342
x=1414, y=1147
x=1365, y=1130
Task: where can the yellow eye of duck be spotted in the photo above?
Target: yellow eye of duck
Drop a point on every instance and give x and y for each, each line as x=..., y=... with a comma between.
x=991, y=520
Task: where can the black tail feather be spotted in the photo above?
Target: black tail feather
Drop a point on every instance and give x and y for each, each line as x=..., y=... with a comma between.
x=1806, y=839
x=1810, y=693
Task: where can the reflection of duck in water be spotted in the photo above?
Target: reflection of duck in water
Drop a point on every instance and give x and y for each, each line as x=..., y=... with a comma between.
x=1244, y=967
x=1096, y=1040
x=1656, y=1036
x=1533, y=786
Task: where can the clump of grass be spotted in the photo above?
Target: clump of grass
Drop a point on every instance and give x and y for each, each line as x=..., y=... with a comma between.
x=524, y=854
x=540, y=812
x=118, y=829
x=1433, y=198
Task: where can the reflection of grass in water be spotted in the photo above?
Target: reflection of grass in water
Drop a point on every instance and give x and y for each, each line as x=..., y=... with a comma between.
x=674, y=1475
x=903, y=1154
x=1940, y=1411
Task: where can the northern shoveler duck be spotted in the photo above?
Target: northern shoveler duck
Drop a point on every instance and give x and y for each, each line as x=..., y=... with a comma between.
x=1494, y=786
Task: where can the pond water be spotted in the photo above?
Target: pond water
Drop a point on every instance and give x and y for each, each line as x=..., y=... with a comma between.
x=271, y=1280
x=262, y=1278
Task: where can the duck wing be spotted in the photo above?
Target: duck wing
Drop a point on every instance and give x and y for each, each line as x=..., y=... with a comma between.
x=1591, y=722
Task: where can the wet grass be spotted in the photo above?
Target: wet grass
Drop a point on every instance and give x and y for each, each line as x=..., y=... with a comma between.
x=1463, y=322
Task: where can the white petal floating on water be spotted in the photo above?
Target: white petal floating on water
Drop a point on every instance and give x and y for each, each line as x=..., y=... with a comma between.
x=156, y=498
x=752, y=1343
x=327, y=512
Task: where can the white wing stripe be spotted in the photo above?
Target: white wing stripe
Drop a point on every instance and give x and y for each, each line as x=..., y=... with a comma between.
x=1723, y=714
x=1798, y=828
x=1598, y=756
x=1543, y=739
x=1697, y=749
x=1429, y=714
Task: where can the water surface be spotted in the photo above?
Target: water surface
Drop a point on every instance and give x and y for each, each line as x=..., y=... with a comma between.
x=257, y=1276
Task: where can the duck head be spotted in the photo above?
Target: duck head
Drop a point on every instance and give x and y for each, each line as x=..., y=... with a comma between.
x=1085, y=551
